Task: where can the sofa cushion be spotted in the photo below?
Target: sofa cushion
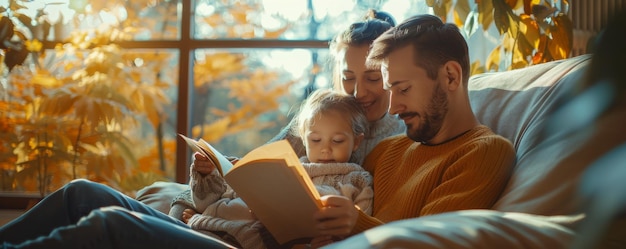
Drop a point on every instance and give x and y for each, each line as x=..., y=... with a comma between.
x=519, y=105
x=468, y=229
x=159, y=195
x=516, y=103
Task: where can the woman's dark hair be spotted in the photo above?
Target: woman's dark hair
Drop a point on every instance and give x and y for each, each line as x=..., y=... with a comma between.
x=363, y=32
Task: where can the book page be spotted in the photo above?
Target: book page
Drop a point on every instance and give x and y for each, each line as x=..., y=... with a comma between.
x=275, y=186
x=277, y=197
x=222, y=164
x=216, y=157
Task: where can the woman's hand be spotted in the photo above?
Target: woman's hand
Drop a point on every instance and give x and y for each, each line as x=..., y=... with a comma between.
x=337, y=218
x=201, y=164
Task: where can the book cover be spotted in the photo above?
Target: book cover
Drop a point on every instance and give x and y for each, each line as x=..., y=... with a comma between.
x=273, y=183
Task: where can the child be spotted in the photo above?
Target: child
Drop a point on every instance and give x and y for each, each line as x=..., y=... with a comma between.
x=331, y=126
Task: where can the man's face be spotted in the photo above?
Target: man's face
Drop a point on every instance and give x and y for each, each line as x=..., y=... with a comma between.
x=418, y=100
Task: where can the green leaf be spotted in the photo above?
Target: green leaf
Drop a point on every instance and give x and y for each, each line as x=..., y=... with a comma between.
x=501, y=16
x=471, y=24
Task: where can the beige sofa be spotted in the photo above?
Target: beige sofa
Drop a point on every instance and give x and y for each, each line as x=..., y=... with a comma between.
x=542, y=206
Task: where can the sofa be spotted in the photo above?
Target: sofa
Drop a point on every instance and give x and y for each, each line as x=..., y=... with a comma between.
x=543, y=205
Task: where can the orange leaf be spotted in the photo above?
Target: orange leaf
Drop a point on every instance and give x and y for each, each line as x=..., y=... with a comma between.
x=562, y=37
x=530, y=29
x=276, y=33
x=528, y=6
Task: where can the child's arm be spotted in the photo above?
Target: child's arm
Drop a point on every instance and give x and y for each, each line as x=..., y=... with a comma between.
x=206, y=185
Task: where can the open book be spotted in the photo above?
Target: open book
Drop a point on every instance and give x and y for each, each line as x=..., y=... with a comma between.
x=273, y=183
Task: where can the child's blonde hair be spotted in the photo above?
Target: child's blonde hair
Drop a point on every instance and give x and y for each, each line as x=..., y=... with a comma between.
x=323, y=100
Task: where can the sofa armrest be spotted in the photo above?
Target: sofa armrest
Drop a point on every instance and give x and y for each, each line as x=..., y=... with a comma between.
x=469, y=229
x=159, y=195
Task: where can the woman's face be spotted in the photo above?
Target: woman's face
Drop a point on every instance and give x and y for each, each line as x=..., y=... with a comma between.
x=366, y=84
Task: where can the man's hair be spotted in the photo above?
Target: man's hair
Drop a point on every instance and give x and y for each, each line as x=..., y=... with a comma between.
x=435, y=44
x=322, y=101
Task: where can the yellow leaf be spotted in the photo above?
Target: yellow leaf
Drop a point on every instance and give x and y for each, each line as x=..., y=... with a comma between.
x=508, y=42
x=46, y=80
x=33, y=45
x=476, y=68
x=519, y=64
x=441, y=8
x=485, y=13
x=212, y=132
x=461, y=11
x=530, y=29
x=239, y=16
x=214, y=20
x=493, y=61
x=525, y=50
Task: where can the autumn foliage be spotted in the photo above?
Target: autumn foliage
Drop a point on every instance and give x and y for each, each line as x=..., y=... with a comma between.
x=532, y=31
x=89, y=108
x=82, y=109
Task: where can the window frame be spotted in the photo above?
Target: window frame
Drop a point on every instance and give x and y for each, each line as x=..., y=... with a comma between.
x=186, y=45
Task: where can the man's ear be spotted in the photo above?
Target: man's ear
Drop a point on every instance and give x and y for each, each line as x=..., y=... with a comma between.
x=454, y=74
x=357, y=141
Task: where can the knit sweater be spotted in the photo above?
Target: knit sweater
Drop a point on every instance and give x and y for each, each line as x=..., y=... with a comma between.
x=378, y=130
x=225, y=215
x=413, y=179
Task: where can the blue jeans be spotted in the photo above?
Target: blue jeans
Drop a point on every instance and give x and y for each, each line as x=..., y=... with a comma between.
x=85, y=214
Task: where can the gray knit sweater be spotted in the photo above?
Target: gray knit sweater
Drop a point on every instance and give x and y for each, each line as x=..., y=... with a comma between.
x=226, y=216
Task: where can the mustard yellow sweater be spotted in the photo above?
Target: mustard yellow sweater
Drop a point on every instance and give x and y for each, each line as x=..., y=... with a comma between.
x=413, y=179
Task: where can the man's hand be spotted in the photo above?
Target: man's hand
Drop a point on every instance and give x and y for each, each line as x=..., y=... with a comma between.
x=201, y=164
x=337, y=218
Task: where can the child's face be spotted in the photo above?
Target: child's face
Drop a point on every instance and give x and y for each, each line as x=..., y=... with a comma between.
x=329, y=138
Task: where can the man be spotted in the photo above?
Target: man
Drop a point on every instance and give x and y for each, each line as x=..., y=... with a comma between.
x=447, y=160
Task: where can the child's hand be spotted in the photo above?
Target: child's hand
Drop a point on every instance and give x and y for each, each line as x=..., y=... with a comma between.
x=201, y=164
x=187, y=214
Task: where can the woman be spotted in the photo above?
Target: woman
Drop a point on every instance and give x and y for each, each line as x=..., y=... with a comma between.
x=88, y=214
x=351, y=75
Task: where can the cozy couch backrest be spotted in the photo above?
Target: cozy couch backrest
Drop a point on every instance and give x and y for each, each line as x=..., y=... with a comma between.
x=516, y=104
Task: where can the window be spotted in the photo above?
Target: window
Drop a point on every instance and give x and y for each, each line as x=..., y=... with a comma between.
x=115, y=81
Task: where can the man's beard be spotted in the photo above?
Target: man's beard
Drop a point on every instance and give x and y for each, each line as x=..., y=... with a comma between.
x=430, y=122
